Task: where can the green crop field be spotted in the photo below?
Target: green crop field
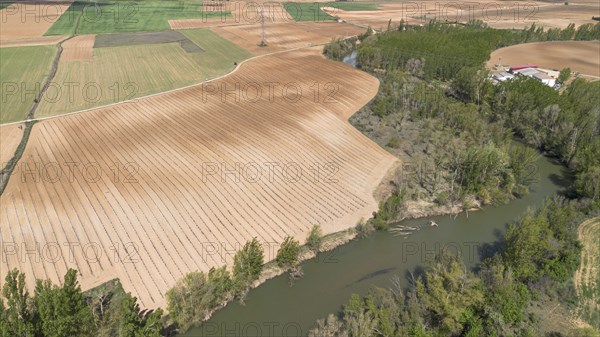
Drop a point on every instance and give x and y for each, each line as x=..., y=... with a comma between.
x=23, y=71
x=311, y=11
x=120, y=73
x=126, y=16
x=352, y=6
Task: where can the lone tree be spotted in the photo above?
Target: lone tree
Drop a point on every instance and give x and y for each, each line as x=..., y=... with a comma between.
x=564, y=75
x=315, y=238
x=288, y=254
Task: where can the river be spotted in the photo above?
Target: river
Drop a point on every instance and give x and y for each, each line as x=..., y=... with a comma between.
x=276, y=309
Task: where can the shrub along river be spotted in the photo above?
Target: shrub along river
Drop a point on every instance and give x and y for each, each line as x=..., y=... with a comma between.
x=276, y=309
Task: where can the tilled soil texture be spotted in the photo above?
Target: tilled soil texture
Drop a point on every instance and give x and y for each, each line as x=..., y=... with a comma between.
x=580, y=56
x=177, y=182
x=286, y=36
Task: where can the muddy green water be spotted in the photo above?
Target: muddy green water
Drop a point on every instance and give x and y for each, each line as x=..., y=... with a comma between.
x=276, y=309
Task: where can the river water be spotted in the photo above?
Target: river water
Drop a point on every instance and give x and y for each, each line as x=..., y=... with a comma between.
x=276, y=309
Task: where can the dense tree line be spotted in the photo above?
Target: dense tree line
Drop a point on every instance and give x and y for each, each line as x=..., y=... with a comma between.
x=454, y=124
x=540, y=252
x=65, y=311
x=447, y=48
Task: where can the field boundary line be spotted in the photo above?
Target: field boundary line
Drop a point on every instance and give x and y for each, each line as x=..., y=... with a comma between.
x=133, y=100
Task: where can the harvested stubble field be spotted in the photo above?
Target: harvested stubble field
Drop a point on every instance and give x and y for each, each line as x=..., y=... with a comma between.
x=79, y=48
x=24, y=70
x=587, y=277
x=504, y=14
x=10, y=136
x=169, y=212
x=580, y=56
x=377, y=19
x=30, y=19
x=286, y=36
x=32, y=41
x=116, y=74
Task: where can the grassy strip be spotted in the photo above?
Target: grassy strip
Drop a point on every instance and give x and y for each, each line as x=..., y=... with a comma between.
x=4, y=4
x=131, y=16
x=588, y=289
x=23, y=71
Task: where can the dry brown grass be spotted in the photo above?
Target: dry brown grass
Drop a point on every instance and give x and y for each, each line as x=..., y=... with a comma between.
x=167, y=213
x=33, y=41
x=10, y=136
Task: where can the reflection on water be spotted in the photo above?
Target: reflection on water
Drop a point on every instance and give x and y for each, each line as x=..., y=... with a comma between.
x=276, y=309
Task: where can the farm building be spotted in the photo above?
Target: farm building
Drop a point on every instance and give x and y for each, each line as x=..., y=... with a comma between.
x=514, y=68
x=502, y=76
x=538, y=75
x=545, y=78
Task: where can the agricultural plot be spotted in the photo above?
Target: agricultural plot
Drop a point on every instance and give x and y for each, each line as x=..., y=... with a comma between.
x=120, y=73
x=78, y=48
x=10, y=136
x=580, y=56
x=23, y=72
x=377, y=18
x=23, y=20
x=159, y=205
x=307, y=11
x=32, y=41
x=285, y=36
x=126, y=16
x=241, y=12
x=587, y=278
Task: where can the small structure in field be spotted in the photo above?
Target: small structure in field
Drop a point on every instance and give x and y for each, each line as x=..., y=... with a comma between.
x=536, y=74
x=518, y=67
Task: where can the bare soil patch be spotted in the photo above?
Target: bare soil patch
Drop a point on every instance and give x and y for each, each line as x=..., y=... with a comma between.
x=286, y=36
x=164, y=213
x=580, y=56
x=30, y=19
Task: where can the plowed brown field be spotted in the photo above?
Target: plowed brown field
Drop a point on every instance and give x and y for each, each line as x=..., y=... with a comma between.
x=286, y=36
x=79, y=48
x=29, y=19
x=580, y=56
x=166, y=214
